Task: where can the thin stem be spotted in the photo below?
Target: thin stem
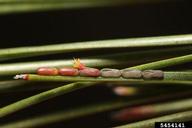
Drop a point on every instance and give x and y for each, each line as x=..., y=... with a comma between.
x=31, y=67
x=178, y=75
x=151, y=110
x=12, y=6
x=168, y=78
x=88, y=110
x=66, y=115
x=136, y=57
x=164, y=41
x=42, y=97
x=46, y=95
x=165, y=63
x=11, y=84
x=66, y=1
x=151, y=54
x=181, y=116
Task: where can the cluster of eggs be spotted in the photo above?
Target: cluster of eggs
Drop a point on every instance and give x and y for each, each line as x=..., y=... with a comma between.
x=79, y=69
x=106, y=73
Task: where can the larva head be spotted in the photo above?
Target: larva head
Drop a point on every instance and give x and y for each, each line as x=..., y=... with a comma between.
x=77, y=64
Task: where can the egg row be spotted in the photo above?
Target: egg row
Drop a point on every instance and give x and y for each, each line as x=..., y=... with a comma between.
x=106, y=73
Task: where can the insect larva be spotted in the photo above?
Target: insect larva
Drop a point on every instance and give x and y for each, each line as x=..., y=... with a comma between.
x=131, y=73
x=153, y=74
x=91, y=72
x=113, y=73
x=68, y=72
x=47, y=71
x=78, y=65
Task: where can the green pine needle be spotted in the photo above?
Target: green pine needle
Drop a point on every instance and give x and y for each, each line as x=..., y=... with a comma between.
x=96, y=108
x=163, y=41
x=19, y=6
x=169, y=77
x=178, y=117
x=49, y=94
x=42, y=97
x=165, y=63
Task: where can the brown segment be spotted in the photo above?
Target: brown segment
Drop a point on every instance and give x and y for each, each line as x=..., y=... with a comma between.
x=91, y=72
x=110, y=73
x=153, y=74
x=47, y=71
x=131, y=73
x=68, y=71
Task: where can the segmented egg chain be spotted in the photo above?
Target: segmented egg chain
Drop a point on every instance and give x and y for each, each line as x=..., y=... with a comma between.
x=106, y=73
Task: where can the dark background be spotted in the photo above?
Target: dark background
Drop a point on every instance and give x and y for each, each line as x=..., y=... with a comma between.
x=137, y=20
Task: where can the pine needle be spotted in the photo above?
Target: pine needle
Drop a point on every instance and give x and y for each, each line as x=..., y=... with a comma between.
x=42, y=97
x=163, y=41
x=169, y=77
x=23, y=6
x=178, y=117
